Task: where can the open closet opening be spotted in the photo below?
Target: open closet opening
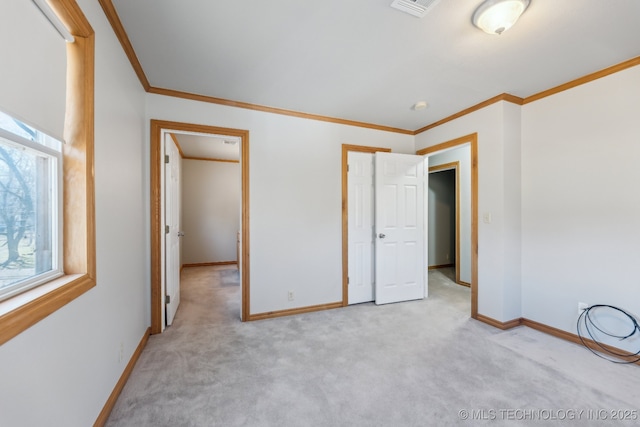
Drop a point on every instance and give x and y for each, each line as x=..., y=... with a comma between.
x=444, y=220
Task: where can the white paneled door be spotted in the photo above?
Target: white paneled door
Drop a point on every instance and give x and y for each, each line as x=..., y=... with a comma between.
x=400, y=250
x=360, y=225
x=386, y=227
x=172, y=230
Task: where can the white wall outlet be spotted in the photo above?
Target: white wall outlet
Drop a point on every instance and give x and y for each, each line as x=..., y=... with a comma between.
x=582, y=306
x=121, y=352
x=290, y=296
x=486, y=217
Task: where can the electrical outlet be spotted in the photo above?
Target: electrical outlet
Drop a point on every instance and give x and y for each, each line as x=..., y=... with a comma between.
x=291, y=296
x=582, y=306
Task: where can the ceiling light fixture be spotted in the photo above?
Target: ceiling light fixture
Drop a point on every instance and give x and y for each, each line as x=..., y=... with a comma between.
x=497, y=16
x=420, y=105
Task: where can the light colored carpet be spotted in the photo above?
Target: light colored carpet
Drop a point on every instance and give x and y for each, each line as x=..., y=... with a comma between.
x=409, y=364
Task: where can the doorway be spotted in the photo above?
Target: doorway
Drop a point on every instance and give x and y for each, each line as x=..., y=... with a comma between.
x=471, y=141
x=207, y=206
x=210, y=201
x=158, y=128
x=444, y=219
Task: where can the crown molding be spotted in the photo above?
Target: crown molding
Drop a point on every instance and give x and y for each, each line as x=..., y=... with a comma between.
x=274, y=110
x=110, y=11
x=502, y=97
x=584, y=79
x=118, y=28
x=523, y=101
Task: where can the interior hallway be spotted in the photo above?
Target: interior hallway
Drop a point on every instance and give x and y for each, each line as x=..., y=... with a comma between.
x=407, y=364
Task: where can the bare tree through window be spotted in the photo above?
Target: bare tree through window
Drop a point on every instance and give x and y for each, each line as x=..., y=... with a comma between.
x=27, y=200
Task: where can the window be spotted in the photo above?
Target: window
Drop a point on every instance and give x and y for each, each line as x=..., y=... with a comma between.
x=30, y=199
x=19, y=312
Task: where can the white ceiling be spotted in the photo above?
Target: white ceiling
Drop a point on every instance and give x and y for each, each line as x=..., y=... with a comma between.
x=362, y=60
x=209, y=146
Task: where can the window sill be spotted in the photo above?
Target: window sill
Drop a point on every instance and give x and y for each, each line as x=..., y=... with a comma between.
x=24, y=310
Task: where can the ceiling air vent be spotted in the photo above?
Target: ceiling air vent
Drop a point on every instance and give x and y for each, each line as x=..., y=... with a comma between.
x=417, y=8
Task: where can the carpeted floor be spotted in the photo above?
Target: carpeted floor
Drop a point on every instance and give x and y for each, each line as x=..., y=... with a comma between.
x=420, y=363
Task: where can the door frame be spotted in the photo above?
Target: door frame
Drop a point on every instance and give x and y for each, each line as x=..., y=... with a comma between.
x=156, y=163
x=345, y=220
x=454, y=166
x=472, y=140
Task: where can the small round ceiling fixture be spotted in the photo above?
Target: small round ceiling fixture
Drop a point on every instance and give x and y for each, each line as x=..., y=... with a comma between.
x=497, y=16
x=420, y=105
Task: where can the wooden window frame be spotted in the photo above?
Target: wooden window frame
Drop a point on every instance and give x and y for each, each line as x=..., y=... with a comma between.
x=79, y=244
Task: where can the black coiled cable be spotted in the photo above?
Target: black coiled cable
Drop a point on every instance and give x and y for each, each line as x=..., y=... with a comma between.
x=604, y=351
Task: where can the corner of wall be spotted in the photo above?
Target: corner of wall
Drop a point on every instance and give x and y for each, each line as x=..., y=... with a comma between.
x=512, y=188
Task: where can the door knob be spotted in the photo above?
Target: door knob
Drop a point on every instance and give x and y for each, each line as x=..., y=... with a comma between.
x=381, y=235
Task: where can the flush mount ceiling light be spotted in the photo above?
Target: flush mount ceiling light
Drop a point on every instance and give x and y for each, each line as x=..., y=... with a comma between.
x=420, y=105
x=497, y=16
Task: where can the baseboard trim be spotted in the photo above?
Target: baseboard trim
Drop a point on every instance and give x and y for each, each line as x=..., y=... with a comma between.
x=574, y=338
x=497, y=324
x=113, y=397
x=467, y=284
x=434, y=267
x=558, y=333
x=292, y=311
x=206, y=264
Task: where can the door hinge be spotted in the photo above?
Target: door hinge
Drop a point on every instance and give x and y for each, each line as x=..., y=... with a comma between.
x=347, y=168
x=347, y=280
x=166, y=158
x=166, y=229
x=167, y=299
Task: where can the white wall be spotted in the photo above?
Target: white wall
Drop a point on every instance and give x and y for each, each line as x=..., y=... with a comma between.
x=211, y=194
x=498, y=286
x=580, y=201
x=512, y=215
x=62, y=370
x=558, y=177
x=442, y=218
x=295, y=197
x=463, y=156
